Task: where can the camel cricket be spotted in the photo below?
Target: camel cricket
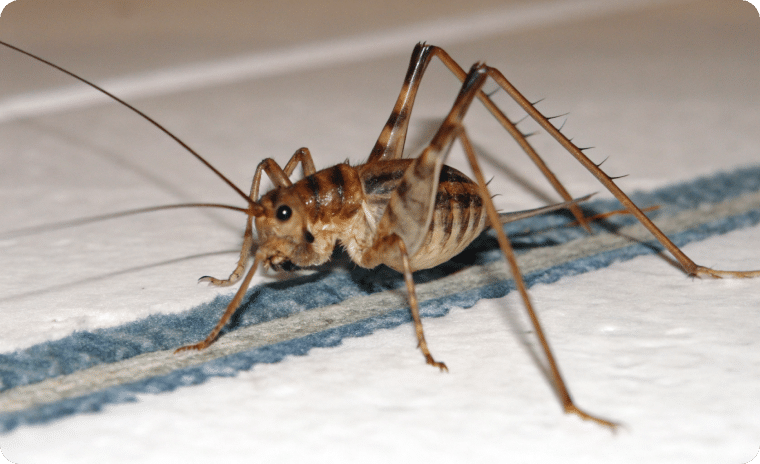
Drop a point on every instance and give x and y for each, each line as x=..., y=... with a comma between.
x=407, y=213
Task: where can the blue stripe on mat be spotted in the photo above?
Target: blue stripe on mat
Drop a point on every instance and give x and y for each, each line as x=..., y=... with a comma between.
x=83, y=350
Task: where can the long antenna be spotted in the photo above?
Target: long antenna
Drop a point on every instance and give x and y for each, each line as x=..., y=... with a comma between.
x=25, y=231
x=143, y=115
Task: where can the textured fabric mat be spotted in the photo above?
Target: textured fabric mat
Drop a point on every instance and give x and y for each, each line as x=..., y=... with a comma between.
x=87, y=370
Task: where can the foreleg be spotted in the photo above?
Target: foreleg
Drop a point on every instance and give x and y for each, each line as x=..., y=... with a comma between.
x=231, y=308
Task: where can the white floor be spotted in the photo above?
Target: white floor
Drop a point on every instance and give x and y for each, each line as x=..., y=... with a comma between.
x=667, y=90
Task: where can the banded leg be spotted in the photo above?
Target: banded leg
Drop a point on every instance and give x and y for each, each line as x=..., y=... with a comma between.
x=408, y=197
x=411, y=206
x=281, y=178
x=390, y=143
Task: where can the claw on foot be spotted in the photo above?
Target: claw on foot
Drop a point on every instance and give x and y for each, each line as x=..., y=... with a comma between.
x=702, y=271
x=572, y=409
x=435, y=363
x=198, y=346
x=216, y=282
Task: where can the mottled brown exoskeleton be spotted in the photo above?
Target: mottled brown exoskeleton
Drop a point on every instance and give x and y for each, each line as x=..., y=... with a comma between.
x=409, y=214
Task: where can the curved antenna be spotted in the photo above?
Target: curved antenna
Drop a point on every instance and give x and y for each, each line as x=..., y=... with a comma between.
x=140, y=113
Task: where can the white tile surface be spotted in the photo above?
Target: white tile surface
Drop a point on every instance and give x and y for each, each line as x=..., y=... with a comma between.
x=669, y=92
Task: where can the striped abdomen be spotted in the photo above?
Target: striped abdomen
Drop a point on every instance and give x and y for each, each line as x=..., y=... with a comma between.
x=458, y=219
x=458, y=216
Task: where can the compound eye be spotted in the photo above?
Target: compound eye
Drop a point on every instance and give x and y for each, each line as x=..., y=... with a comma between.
x=284, y=212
